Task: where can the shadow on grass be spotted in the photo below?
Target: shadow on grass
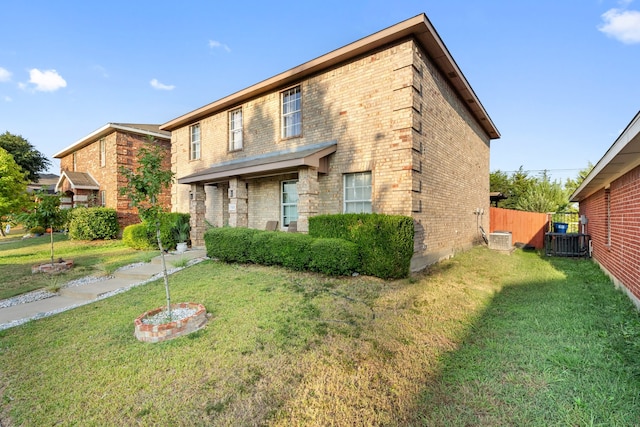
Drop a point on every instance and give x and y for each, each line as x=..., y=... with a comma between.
x=557, y=348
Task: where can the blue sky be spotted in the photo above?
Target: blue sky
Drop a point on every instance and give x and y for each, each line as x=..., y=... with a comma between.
x=560, y=78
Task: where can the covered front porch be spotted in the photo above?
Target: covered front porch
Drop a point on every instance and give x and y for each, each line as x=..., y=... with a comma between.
x=80, y=189
x=278, y=187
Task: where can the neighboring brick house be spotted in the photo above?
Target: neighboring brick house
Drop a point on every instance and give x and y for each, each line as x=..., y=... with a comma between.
x=609, y=198
x=90, y=167
x=387, y=124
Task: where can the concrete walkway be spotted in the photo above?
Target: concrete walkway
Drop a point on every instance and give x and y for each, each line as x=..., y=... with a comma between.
x=75, y=296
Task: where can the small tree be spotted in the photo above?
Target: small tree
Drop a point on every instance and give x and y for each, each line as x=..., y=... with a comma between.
x=13, y=188
x=48, y=214
x=144, y=186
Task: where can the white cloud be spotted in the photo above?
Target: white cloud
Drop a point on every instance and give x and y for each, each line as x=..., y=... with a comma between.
x=5, y=75
x=157, y=85
x=7, y=99
x=45, y=81
x=623, y=25
x=213, y=44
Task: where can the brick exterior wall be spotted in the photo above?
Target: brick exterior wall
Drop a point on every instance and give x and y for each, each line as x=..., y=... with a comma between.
x=619, y=256
x=121, y=150
x=391, y=113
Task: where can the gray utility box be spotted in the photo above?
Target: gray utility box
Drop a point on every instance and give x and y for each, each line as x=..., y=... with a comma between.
x=500, y=241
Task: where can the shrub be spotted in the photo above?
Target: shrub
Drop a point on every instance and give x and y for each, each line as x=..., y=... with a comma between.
x=230, y=244
x=385, y=242
x=290, y=250
x=168, y=224
x=37, y=230
x=93, y=224
x=334, y=257
x=261, y=249
x=137, y=236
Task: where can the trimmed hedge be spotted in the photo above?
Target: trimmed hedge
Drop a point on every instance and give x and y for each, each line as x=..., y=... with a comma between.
x=285, y=249
x=295, y=251
x=137, y=236
x=230, y=244
x=385, y=242
x=93, y=224
x=335, y=257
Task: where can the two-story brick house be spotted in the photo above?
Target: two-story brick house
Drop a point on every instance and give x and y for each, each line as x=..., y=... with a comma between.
x=89, y=168
x=387, y=124
x=609, y=199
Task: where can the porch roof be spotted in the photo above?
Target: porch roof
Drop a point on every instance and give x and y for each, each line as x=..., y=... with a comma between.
x=78, y=180
x=622, y=156
x=267, y=164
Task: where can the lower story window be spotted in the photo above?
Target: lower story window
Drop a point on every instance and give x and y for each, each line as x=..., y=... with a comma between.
x=289, y=202
x=103, y=198
x=357, y=192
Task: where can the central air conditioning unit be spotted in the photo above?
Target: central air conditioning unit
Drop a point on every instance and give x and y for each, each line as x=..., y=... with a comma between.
x=500, y=241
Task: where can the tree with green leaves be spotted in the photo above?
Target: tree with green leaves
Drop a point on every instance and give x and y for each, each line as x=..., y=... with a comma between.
x=513, y=186
x=543, y=196
x=13, y=189
x=25, y=155
x=536, y=194
x=144, y=187
x=48, y=214
x=572, y=184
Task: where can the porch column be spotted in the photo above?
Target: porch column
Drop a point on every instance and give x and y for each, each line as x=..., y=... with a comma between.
x=308, y=190
x=238, y=206
x=197, y=210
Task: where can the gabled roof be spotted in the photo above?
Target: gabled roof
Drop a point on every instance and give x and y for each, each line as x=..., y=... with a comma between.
x=78, y=180
x=46, y=180
x=141, y=129
x=622, y=156
x=418, y=27
x=265, y=164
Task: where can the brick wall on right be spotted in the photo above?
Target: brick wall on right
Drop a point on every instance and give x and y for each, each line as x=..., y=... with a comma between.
x=614, y=225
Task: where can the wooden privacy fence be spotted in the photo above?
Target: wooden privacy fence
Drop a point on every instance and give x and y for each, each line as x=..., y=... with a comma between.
x=525, y=227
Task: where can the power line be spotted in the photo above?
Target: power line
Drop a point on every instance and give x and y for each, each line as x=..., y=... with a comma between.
x=542, y=170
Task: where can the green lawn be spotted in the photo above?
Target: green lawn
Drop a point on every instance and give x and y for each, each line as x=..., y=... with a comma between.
x=17, y=256
x=481, y=339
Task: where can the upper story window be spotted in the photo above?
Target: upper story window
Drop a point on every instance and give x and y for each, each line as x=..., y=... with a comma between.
x=75, y=160
x=235, y=130
x=291, y=113
x=103, y=153
x=357, y=192
x=195, y=142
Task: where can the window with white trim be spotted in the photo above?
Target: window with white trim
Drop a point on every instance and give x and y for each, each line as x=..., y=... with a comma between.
x=103, y=153
x=289, y=202
x=235, y=130
x=291, y=113
x=195, y=142
x=103, y=198
x=357, y=192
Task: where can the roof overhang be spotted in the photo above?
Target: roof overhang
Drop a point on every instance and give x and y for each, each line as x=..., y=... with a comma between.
x=142, y=129
x=87, y=182
x=622, y=156
x=418, y=27
x=274, y=163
